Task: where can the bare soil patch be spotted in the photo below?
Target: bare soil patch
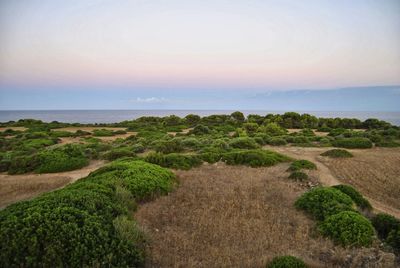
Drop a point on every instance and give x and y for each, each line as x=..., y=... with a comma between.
x=236, y=216
x=14, y=188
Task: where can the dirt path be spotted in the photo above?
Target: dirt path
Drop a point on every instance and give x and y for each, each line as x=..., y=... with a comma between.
x=326, y=177
x=14, y=188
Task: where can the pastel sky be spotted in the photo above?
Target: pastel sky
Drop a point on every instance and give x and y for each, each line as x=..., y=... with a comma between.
x=137, y=47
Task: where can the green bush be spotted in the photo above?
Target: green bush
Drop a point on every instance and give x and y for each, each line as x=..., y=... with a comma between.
x=118, y=153
x=276, y=141
x=169, y=146
x=337, y=153
x=176, y=161
x=298, y=176
x=200, y=130
x=393, y=240
x=65, y=158
x=286, y=262
x=210, y=157
x=243, y=143
x=103, y=133
x=138, y=148
x=388, y=144
x=360, y=201
x=273, y=129
x=302, y=164
x=352, y=143
x=384, y=224
x=322, y=202
x=254, y=158
x=85, y=224
x=348, y=229
x=22, y=164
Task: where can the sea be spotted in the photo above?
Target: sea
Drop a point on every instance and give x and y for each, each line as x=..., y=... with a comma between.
x=114, y=116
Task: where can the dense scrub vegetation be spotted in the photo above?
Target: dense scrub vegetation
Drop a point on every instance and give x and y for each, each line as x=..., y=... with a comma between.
x=85, y=224
x=357, y=198
x=348, y=228
x=337, y=153
x=353, y=143
x=254, y=158
x=208, y=137
x=286, y=262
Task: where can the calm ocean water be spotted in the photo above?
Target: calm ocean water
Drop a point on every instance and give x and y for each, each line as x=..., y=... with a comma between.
x=112, y=116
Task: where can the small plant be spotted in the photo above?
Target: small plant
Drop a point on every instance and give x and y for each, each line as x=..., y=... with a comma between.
x=286, y=262
x=360, y=201
x=323, y=202
x=302, y=164
x=348, y=229
x=384, y=224
x=298, y=176
x=337, y=153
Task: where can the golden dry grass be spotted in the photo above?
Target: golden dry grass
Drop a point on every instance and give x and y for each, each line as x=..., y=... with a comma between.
x=375, y=173
x=14, y=188
x=235, y=216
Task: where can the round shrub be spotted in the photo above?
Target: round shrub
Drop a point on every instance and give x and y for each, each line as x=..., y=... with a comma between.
x=353, y=143
x=103, y=133
x=243, y=143
x=360, y=201
x=348, y=229
x=276, y=141
x=254, y=158
x=302, y=164
x=118, y=153
x=298, y=176
x=337, y=153
x=286, y=262
x=322, y=202
x=384, y=224
x=143, y=180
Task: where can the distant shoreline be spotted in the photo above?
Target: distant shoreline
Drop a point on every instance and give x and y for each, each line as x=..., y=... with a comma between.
x=115, y=116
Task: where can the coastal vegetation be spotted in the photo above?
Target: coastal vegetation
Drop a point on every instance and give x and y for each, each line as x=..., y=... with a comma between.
x=90, y=222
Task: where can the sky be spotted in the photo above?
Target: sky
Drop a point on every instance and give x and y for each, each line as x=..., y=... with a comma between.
x=108, y=54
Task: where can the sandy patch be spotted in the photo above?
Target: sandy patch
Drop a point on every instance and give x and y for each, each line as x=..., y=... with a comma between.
x=13, y=128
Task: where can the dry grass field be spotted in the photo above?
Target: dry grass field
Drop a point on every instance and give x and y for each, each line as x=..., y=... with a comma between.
x=88, y=129
x=15, y=188
x=235, y=216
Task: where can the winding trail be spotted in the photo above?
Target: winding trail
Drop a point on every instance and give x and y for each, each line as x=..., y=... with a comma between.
x=326, y=177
